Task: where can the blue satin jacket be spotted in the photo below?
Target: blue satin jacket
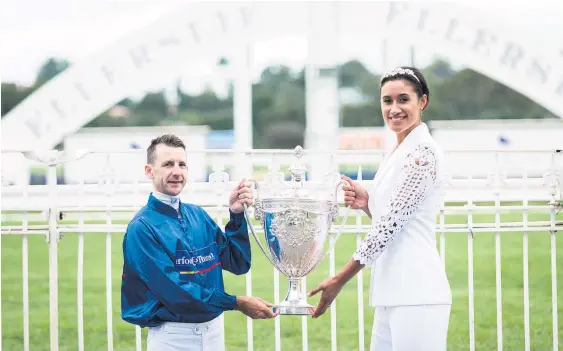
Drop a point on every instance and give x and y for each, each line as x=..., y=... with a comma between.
x=173, y=264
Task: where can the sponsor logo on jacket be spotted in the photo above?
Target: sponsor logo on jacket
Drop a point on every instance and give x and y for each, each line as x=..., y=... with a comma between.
x=183, y=260
x=197, y=261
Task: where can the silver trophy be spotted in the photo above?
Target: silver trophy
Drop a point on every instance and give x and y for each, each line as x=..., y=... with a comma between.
x=296, y=217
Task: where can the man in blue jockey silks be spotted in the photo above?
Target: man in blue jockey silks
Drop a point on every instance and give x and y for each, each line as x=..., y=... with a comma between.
x=174, y=256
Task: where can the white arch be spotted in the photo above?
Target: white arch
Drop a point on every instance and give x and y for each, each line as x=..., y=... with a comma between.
x=129, y=66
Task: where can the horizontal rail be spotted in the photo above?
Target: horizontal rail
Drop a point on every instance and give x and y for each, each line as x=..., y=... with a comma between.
x=543, y=226
x=279, y=151
x=24, y=232
x=125, y=213
x=123, y=196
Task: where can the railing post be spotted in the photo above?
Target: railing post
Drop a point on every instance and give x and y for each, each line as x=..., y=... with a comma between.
x=53, y=239
x=109, y=184
x=470, y=267
x=219, y=178
x=525, y=265
x=360, y=275
x=496, y=180
x=554, y=180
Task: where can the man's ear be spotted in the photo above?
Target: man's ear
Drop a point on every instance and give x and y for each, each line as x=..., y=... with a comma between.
x=148, y=171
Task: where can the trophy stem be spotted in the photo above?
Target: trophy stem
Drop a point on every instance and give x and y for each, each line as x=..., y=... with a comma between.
x=295, y=302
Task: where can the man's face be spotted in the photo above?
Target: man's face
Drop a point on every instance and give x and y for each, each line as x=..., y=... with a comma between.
x=169, y=171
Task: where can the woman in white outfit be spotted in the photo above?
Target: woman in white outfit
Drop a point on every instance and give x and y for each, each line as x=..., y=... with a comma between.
x=409, y=287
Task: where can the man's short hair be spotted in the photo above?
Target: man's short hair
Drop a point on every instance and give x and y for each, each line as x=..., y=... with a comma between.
x=166, y=139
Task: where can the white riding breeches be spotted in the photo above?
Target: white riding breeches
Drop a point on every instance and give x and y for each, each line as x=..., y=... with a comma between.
x=408, y=328
x=187, y=336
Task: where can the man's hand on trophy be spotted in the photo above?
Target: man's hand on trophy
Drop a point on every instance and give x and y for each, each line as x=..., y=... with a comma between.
x=255, y=307
x=355, y=195
x=241, y=194
x=330, y=288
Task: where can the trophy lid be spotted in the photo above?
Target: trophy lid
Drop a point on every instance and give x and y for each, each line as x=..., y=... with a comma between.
x=275, y=186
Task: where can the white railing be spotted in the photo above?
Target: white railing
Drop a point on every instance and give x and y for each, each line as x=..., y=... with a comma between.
x=474, y=189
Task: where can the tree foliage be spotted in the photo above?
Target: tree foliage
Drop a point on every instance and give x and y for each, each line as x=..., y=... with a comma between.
x=278, y=101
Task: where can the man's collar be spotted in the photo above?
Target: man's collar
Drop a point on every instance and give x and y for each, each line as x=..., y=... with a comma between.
x=163, y=201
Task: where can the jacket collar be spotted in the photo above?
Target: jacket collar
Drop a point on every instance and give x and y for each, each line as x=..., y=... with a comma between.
x=161, y=207
x=413, y=137
x=173, y=201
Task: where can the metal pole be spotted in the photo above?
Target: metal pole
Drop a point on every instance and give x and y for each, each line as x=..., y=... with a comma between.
x=242, y=101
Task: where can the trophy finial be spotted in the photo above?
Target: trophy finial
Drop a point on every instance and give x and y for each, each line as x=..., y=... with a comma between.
x=298, y=169
x=298, y=151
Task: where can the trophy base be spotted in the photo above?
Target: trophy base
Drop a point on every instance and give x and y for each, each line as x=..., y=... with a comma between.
x=293, y=310
x=295, y=302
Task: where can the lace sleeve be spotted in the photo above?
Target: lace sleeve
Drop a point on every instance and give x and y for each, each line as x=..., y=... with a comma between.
x=410, y=189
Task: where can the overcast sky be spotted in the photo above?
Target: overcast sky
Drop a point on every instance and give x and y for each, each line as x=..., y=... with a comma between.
x=33, y=30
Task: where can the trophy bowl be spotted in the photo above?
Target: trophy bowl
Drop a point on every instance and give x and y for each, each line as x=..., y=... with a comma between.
x=296, y=217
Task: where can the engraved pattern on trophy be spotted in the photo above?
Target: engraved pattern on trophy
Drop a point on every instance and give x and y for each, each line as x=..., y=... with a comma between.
x=259, y=211
x=293, y=236
x=294, y=228
x=418, y=176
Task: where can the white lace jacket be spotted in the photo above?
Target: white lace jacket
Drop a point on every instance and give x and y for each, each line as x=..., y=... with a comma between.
x=416, y=179
x=401, y=245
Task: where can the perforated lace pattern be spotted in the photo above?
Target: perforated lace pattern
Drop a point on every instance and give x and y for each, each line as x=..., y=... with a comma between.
x=418, y=176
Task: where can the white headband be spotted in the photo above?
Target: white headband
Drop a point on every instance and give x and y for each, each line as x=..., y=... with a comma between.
x=399, y=70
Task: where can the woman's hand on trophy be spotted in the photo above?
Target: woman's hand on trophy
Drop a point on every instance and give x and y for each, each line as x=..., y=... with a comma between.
x=330, y=288
x=355, y=195
x=255, y=307
x=241, y=195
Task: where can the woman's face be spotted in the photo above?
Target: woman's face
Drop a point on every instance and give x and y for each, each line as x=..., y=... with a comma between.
x=401, y=106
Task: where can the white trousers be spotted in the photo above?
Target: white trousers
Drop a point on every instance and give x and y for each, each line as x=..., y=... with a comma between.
x=187, y=336
x=408, y=328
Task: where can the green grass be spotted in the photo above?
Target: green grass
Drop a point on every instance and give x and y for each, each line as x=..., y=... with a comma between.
x=262, y=283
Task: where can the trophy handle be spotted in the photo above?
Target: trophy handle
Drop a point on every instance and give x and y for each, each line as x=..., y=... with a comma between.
x=333, y=241
x=252, y=181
